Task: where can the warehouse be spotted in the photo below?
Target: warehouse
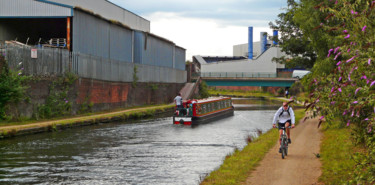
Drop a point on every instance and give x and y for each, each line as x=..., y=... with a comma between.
x=97, y=29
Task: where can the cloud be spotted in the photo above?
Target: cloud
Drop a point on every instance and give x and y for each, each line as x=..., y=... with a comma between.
x=201, y=36
x=207, y=27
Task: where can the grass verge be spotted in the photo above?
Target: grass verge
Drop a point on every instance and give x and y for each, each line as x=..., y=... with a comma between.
x=336, y=152
x=13, y=130
x=214, y=92
x=238, y=166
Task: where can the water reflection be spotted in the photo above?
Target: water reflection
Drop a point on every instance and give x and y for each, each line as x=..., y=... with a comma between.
x=151, y=152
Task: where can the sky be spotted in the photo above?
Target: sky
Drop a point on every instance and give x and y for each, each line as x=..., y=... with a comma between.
x=206, y=27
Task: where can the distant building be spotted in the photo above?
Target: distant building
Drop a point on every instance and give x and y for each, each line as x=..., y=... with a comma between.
x=247, y=58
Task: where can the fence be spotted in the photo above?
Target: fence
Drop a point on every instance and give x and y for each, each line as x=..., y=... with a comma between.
x=55, y=62
x=236, y=75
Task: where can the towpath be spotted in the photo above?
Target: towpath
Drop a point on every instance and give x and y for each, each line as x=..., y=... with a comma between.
x=103, y=116
x=300, y=167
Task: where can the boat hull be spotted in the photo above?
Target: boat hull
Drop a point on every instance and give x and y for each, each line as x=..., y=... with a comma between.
x=196, y=120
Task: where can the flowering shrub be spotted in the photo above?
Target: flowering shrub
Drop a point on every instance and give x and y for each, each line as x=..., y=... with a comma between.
x=348, y=91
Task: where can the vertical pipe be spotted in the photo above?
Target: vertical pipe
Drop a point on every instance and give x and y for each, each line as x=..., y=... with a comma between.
x=250, y=43
x=68, y=33
x=275, y=35
x=263, y=42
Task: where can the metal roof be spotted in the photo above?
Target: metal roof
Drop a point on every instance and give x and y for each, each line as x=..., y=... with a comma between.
x=33, y=9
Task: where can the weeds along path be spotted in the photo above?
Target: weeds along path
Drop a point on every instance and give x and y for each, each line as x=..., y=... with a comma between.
x=301, y=166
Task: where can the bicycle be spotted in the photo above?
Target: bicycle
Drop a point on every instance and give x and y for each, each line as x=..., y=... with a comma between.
x=284, y=143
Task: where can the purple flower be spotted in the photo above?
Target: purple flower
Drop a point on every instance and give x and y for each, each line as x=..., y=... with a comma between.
x=364, y=28
x=321, y=118
x=348, y=123
x=333, y=102
x=329, y=52
x=355, y=102
x=369, y=130
x=336, y=49
x=321, y=24
x=336, y=2
x=338, y=54
x=352, y=113
x=21, y=69
x=369, y=61
x=368, y=81
x=19, y=74
x=333, y=88
x=364, y=77
x=66, y=101
x=348, y=50
x=347, y=36
x=338, y=63
x=365, y=119
x=356, y=91
x=339, y=89
x=345, y=31
x=345, y=112
x=352, y=11
x=350, y=59
x=349, y=77
x=372, y=83
x=340, y=79
x=339, y=68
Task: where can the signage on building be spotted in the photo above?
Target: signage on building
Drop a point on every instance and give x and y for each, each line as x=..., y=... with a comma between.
x=34, y=53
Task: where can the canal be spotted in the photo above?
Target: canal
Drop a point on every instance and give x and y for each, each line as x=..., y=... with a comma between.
x=147, y=152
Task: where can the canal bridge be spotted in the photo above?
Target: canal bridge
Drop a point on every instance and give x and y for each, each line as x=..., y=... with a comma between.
x=247, y=79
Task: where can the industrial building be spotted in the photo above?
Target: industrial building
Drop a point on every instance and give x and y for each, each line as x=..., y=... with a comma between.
x=253, y=59
x=101, y=36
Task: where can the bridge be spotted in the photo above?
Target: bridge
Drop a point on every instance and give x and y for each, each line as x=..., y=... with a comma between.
x=247, y=79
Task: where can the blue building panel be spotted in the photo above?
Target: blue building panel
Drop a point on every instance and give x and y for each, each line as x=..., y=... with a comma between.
x=120, y=43
x=180, y=58
x=139, y=44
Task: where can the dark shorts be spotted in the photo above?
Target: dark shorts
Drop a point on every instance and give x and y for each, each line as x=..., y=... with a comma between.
x=282, y=125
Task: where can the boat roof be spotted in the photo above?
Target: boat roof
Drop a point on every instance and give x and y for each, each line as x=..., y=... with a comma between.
x=211, y=99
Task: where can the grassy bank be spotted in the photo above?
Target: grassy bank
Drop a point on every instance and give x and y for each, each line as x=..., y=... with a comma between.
x=237, y=166
x=239, y=93
x=336, y=155
x=14, y=129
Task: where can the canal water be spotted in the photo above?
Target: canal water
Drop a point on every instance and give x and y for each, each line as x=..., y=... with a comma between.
x=147, y=152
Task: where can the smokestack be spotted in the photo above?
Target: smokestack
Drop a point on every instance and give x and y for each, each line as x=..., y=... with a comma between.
x=275, y=34
x=250, y=43
x=263, y=42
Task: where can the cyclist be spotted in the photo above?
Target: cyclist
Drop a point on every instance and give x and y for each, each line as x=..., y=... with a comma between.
x=285, y=117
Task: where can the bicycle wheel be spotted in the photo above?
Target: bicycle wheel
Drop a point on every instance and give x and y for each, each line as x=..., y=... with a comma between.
x=286, y=151
x=283, y=153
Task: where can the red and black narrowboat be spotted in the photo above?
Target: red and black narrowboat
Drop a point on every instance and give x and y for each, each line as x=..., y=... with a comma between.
x=203, y=111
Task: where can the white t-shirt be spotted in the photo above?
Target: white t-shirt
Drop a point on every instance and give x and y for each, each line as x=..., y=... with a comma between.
x=284, y=116
x=178, y=100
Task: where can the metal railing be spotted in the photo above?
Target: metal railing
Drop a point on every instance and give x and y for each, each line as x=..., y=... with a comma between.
x=236, y=75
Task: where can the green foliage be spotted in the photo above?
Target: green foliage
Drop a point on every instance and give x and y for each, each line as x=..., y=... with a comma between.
x=203, y=90
x=135, y=77
x=57, y=103
x=12, y=86
x=343, y=82
x=293, y=40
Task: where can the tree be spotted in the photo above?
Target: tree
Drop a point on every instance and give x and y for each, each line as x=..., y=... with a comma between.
x=292, y=40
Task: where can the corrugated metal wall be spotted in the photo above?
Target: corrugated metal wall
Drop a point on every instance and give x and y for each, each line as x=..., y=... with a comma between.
x=31, y=8
x=120, y=41
x=139, y=46
x=180, y=57
x=158, y=52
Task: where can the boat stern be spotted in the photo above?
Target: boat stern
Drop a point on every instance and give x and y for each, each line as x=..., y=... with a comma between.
x=179, y=120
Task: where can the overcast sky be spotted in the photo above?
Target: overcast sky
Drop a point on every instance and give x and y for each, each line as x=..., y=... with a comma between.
x=206, y=27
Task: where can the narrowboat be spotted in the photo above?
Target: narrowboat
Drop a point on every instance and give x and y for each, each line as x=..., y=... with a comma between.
x=203, y=111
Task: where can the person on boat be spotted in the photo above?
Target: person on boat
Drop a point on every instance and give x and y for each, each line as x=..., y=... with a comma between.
x=285, y=116
x=179, y=103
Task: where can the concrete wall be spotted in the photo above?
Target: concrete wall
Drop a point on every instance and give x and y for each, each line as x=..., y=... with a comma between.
x=263, y=64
